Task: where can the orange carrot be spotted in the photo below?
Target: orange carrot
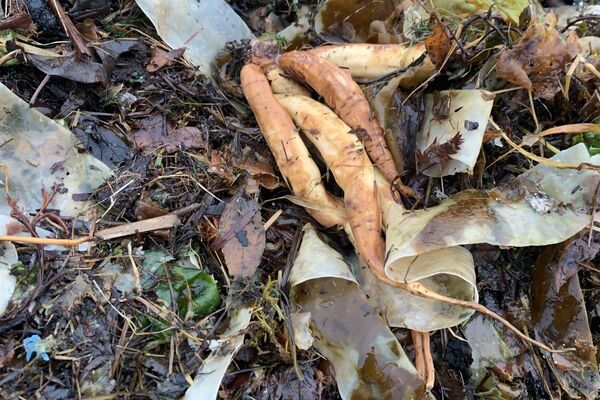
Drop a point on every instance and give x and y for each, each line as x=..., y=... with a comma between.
x=346, y=158
x=293, y=159
x=346, y=98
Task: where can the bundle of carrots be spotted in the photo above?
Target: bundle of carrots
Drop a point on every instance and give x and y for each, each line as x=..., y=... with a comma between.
x=350, y=141
x=345, y=132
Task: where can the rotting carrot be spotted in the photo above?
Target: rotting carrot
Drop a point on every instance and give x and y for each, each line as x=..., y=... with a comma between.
x=366, y=61
x=281, y=84
x=263, y=53
x=292, y=157
x=346, y=158
x=346, y=98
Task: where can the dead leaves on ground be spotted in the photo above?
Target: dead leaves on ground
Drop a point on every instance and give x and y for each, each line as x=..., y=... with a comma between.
x=160, y=58
x=155, y=131
x=438, y=44
x=538, y=60
x=241, y=235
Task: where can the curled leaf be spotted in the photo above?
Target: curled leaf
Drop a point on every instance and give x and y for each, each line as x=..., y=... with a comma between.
x=544, y=205
x=366, y=356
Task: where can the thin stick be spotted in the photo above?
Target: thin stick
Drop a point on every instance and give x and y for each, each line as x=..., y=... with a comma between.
x=9, y=56
x=533, y=114
x=419, y=357
x=569, y=74
x=134, y=268
x=542, y=160
x=420, y=290
x=594, y=206
x=592, y=69
x=39, y=90
x=272, y=220
x=44, y=241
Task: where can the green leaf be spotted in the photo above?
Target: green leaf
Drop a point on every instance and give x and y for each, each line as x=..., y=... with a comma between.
x=204, y=297
x=154, y=261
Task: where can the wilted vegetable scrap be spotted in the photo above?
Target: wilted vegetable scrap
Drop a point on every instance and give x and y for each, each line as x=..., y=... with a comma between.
x=346, y=158
x=348, y=98
x=450, y=138
x=37, y=153
x=345, y=97
x=291, y=155
x=350, y=20
x=544, y=205
x=509, y=9
x=367, y=358
x=560, y=317
x=367, y=61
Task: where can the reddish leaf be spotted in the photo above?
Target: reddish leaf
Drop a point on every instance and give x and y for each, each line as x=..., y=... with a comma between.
x=88, y=29
x=438, y=154
x=438, y=44
x=241, y=236
x=155, y=132
x=262, y=172
x=160, y=58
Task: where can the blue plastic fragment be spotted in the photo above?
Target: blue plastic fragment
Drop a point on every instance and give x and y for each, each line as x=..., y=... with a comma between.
x=31, y=346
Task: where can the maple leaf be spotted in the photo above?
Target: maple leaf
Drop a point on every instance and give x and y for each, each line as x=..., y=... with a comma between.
x=438, y=154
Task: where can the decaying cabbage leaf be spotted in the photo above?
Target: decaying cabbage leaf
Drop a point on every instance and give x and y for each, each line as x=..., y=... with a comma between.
x=448, y=271
x=509, y=9
x=544, y=205
x=38, y=153
x=202, y=27
x=449, y=115
x=8, y=256
x=366, y=356
x=208, y=379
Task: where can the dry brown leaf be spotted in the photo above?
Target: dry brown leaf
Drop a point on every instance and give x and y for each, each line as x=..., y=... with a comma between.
x=262, y=172
x=438, y=44
x=155, y=132
x=538, y=60
x=88, y=29
x=146, y=209
x=160, y=58
x=241, y=235
x=219, y=165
